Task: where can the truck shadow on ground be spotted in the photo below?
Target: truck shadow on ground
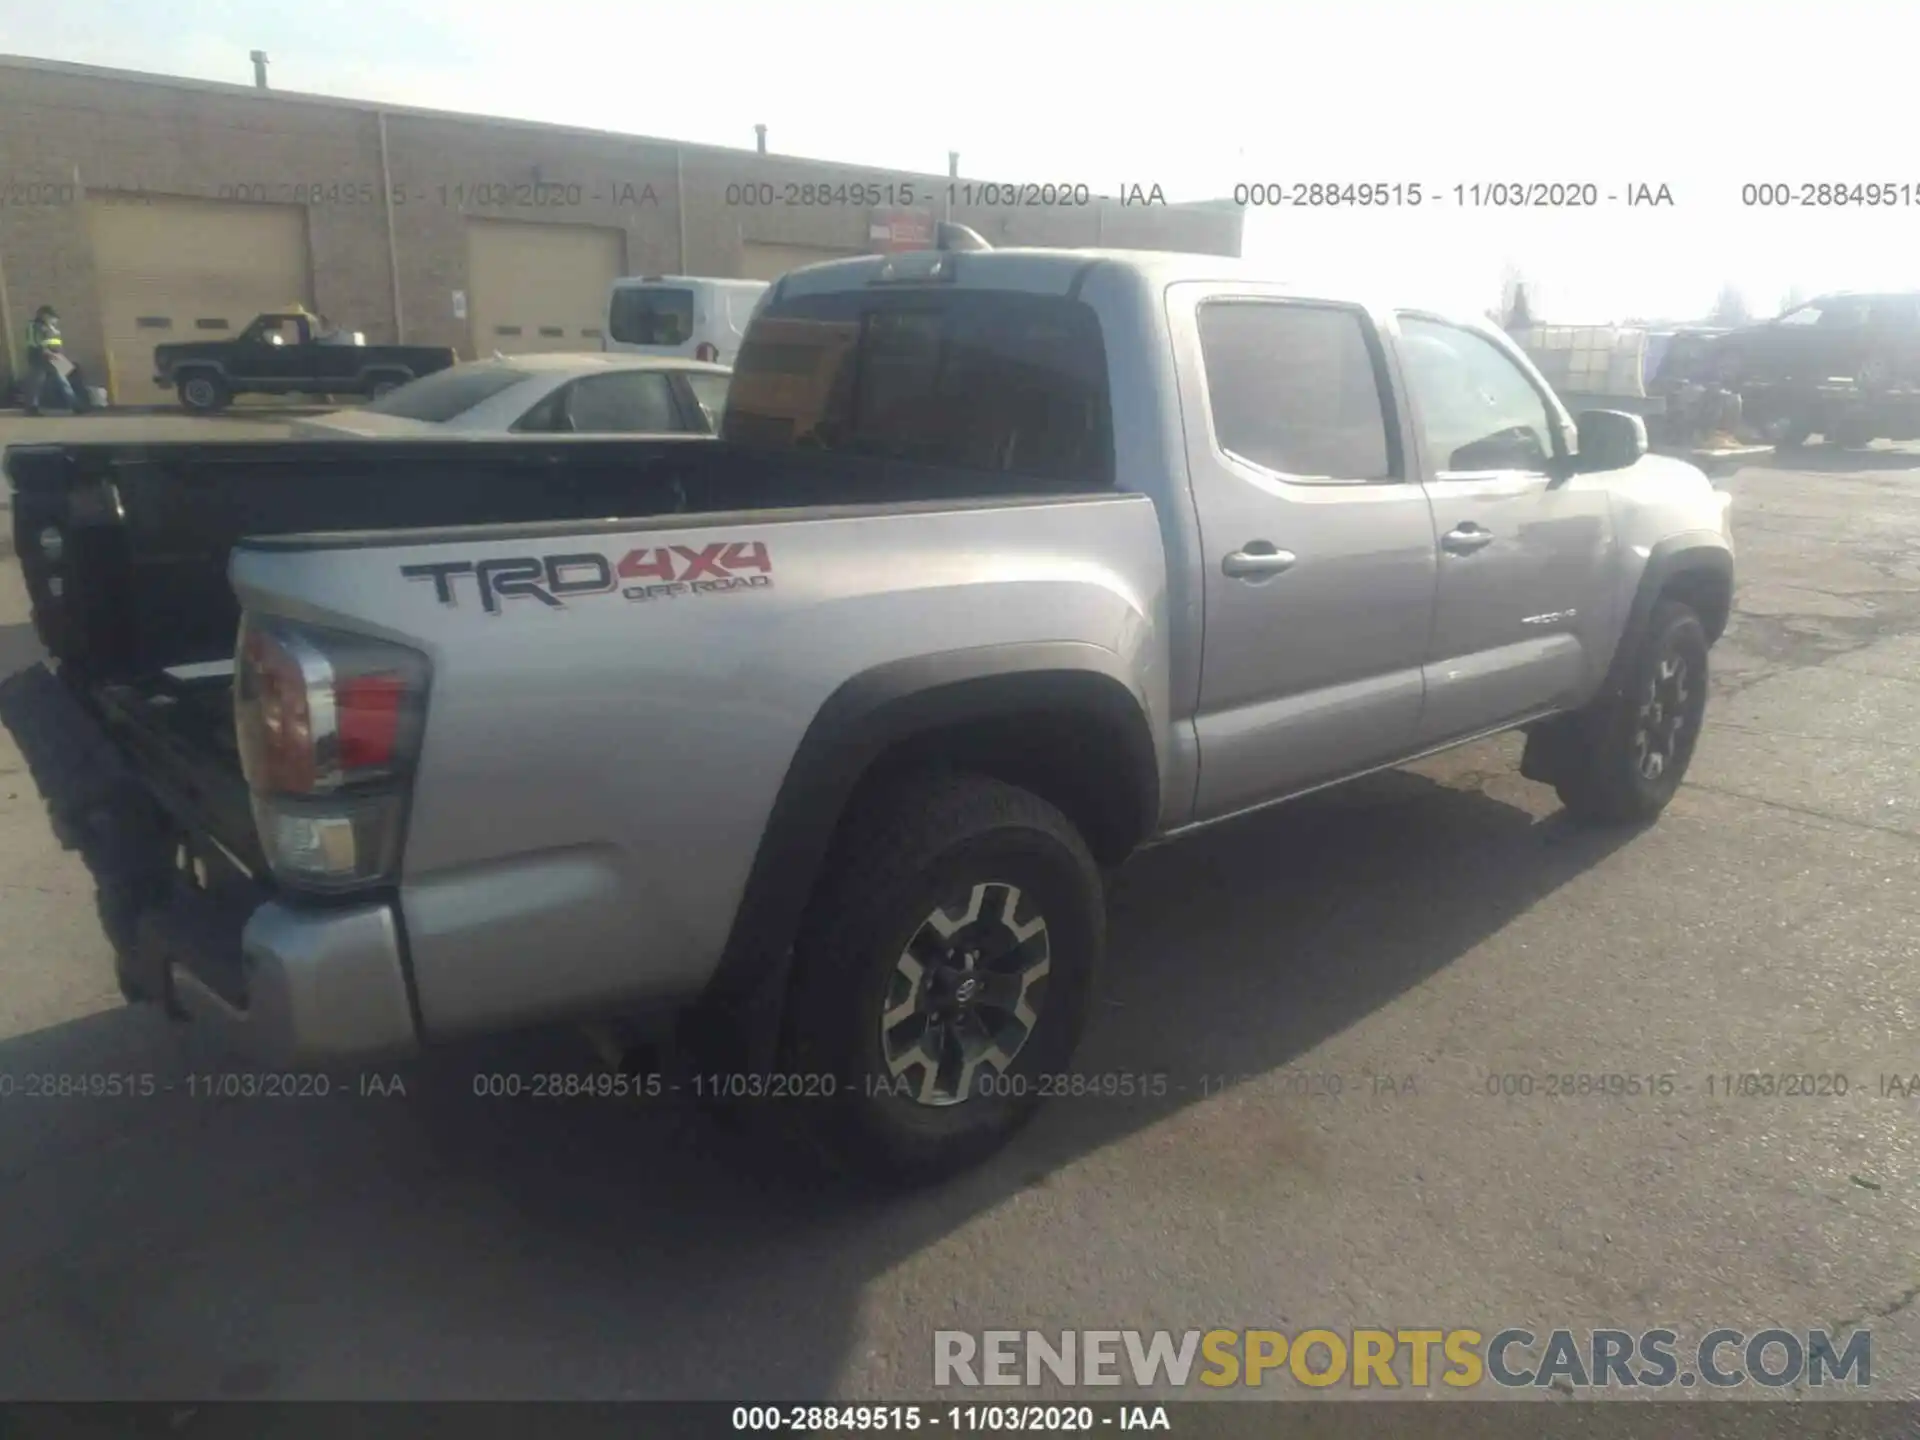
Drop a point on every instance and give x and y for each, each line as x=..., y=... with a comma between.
x=1830, y=460
x=19, y=649
x=442, y=1245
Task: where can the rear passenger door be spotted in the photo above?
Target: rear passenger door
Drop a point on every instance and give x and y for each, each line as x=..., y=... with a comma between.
x=1524, y=607
x=1317, y=543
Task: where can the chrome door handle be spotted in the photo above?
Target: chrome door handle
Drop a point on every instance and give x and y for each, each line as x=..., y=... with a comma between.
x=1260, y=564
x=1465, y=539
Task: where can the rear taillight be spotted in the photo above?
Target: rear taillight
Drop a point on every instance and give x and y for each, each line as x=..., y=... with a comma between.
x=707, y=351
x=329, y=726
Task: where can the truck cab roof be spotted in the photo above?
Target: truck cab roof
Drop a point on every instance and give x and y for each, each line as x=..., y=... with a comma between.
x=1063, y=271
x=1046, y=271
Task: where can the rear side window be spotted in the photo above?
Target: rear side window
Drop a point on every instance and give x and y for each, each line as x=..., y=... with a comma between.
x=651, y=316
x=1004, y=382
x=447, y=393
x=633, y=403
x=1296, y=389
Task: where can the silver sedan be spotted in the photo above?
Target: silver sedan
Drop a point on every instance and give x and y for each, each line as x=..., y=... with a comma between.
x=586, y=394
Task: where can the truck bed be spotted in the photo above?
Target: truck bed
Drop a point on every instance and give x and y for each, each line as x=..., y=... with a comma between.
x=137, y=608
x=147, y=529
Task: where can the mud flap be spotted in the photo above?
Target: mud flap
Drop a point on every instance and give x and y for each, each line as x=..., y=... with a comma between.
x=1549, y=745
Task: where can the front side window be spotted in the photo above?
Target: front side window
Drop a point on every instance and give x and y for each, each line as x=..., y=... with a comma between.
x=1897, y=312
x=998, y=381
x=1838, y=313
x=651, y=316
x=281, y=330
x=1477, y=410
x=1295, y=389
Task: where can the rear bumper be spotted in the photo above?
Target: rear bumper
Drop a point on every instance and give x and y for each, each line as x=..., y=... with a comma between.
x=287, y=988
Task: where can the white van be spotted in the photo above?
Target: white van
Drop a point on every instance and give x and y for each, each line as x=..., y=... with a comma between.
x=690, y=316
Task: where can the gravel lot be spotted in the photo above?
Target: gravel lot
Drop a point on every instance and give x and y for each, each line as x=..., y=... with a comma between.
x=1437, y=925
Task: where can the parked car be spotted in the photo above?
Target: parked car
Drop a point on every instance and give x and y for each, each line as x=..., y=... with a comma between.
x=813, y=744
x=1697, y=404
x=1843, y=366
x=691, y=316
x=289, y=353
x=547, y=394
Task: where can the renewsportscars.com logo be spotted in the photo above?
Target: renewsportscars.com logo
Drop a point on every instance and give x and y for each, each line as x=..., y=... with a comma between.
x=1514, y=1358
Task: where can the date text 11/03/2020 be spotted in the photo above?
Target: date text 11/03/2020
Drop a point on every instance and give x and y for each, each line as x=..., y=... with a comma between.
x=453, y=195
x=960, y=1419
x=202, y=1085
x=1103, y=1085
x=1715, y=1085
x=1467, y=195
x=736, y=1085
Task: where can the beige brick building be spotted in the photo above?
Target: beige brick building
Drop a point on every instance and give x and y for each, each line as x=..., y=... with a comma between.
x=151, y=210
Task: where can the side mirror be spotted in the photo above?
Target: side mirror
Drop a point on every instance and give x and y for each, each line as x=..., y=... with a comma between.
x=1609, y=440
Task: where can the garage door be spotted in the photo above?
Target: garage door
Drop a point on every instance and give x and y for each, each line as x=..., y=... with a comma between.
x=760, y=260
x=540, y=287
x=183, y=270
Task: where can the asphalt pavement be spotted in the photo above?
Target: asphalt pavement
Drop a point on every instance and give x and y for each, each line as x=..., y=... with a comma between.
x=1422, y=936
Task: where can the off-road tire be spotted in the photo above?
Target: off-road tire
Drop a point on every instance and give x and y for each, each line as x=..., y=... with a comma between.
x=1792, y=439
x=908, y=852
x=1603, y=779
x=204, y=393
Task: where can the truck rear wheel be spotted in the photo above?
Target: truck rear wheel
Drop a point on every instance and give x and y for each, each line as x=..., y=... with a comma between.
x=204, y=392
x=1791, y=433
x=1628, y=756
x=943, y=974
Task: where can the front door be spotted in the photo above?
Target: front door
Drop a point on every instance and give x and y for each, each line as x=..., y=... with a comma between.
x=1892, y=355
x=1820, y=341
x=1523, y=606
x=270, y=353
x=1317, y=544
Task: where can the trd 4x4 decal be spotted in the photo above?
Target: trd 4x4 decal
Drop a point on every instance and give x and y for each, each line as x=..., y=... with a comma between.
x=664, y=571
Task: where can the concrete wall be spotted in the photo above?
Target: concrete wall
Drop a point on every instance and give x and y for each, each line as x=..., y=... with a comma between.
x=67, y=131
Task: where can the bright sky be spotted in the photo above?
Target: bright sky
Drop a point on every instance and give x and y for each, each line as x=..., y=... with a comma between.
x=1196, y=97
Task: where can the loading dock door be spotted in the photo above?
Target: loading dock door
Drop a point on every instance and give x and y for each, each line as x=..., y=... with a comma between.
x=762, y=260
x=179, y=270
x=535, y=287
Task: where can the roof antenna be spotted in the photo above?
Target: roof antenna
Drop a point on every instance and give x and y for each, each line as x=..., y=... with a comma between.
x=949, y=235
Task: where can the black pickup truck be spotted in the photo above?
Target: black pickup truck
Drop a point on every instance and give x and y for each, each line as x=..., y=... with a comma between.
x=1845, y=367
x=290, y=353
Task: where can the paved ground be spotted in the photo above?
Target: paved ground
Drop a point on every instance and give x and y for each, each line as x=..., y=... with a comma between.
x=1439, y=925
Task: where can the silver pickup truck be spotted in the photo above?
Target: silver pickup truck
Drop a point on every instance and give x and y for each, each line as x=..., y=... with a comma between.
x=1005, y=565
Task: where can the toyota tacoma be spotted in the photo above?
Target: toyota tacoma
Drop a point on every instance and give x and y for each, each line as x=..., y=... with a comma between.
x=818, y=739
